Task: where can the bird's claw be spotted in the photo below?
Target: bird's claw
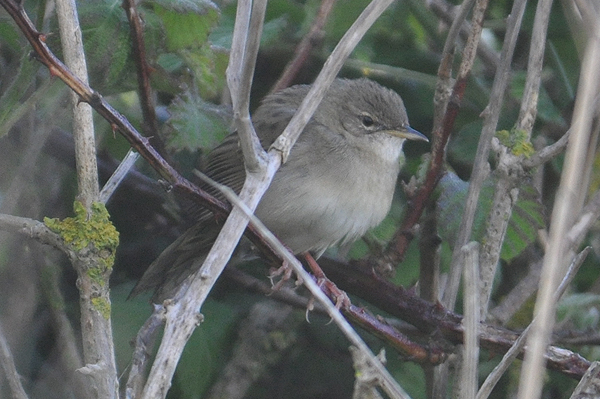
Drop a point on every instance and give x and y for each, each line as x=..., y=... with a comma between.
x=284, y=272
x=339, y=297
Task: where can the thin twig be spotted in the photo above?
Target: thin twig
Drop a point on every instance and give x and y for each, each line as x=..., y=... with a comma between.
x=117, y=177
x=144, y=342
x=547, y=153
x=444, y=11
x=254, y=155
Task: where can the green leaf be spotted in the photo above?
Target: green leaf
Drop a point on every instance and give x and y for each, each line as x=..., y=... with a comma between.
x=208, y=64
x=526, y=219
x=107, y=46
x=196, y=123
x=187, y=24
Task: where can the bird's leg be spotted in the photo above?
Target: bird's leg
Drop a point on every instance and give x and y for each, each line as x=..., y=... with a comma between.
x=338, y=296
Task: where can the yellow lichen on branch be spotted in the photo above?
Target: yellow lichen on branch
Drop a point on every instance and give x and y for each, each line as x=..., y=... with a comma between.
x=517, y=141
x=95, y=232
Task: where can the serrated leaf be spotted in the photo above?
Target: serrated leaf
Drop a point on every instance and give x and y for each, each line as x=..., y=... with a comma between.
x=105, y=32
x=208, y=64
x=526, y=219
x=196, y=124
x=187, y=24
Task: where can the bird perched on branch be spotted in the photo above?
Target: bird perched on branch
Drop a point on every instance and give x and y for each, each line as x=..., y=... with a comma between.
x=337, y=183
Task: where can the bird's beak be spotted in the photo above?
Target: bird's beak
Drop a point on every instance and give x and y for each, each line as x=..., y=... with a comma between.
x=408, y=133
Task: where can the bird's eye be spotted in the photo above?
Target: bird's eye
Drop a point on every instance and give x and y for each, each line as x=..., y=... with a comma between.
x=367, y=121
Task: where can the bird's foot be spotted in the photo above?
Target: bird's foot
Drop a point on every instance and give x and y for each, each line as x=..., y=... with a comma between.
x=339, y=297
x=284, y=273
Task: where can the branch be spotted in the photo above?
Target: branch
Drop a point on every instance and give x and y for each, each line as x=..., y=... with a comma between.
x=472, y=309
x=83, y=124
x=359, y=278
x=33, y=229
x=442, y=127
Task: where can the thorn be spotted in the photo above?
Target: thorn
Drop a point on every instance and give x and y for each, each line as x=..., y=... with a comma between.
x=53, y=71
x=115, y=129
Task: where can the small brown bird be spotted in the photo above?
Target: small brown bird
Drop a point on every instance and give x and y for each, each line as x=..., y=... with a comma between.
x=337, y=183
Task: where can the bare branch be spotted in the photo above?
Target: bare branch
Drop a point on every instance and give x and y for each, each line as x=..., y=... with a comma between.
x=83, y=124
x=254, y=155
x=589, y=386
x=144, y=342
x=117, y=177
x=547, y=153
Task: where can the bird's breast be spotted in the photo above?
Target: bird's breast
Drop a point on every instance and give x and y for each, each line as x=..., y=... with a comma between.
x=334, y=206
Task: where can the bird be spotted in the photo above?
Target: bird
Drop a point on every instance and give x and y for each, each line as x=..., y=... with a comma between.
x=338, y=181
